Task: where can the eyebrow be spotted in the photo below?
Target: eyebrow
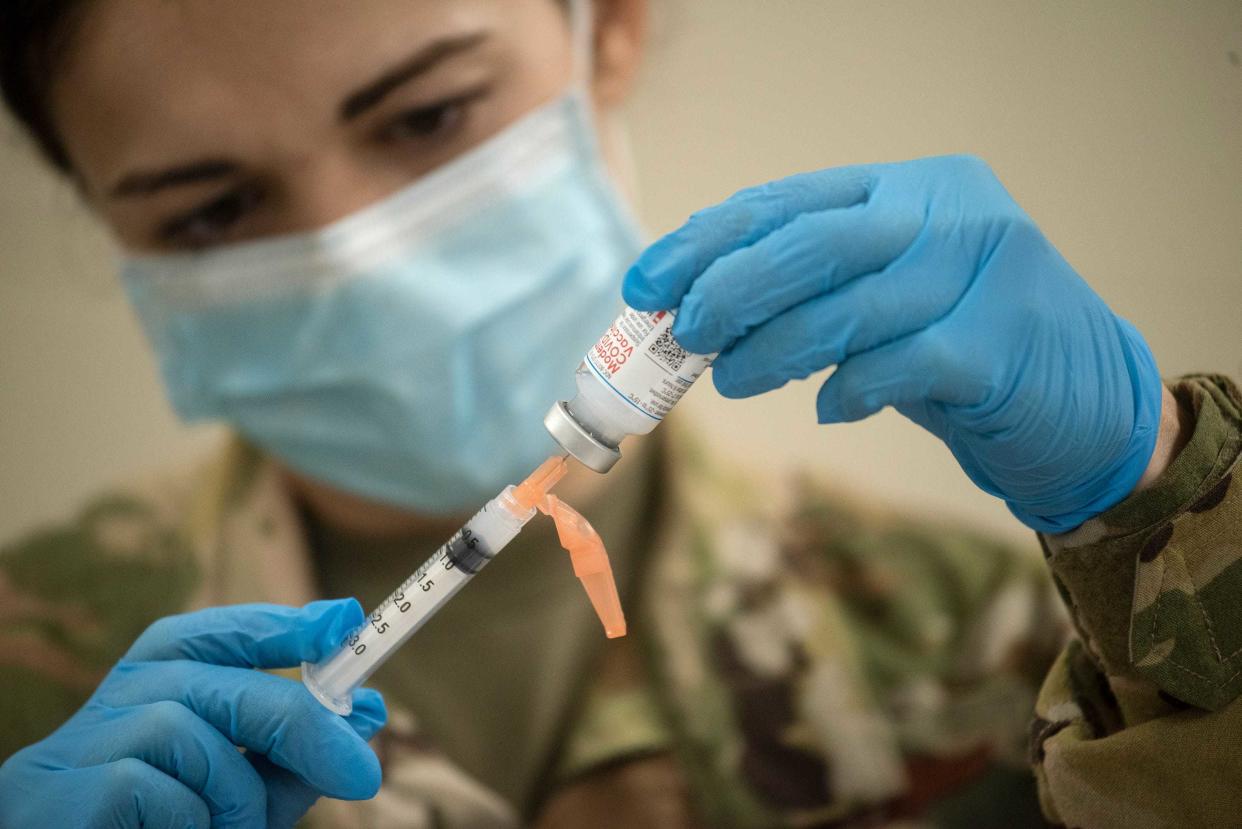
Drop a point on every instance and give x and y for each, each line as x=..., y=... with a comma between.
x=144, y=183
x=421, y=62
x=149, y=183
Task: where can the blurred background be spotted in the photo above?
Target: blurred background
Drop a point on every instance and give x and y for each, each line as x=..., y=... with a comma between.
x=1116, y=123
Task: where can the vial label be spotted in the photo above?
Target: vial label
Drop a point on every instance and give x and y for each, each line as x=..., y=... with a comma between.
x=638, y=359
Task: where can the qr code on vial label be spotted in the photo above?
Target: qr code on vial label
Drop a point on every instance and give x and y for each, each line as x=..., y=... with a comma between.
x=666, y=351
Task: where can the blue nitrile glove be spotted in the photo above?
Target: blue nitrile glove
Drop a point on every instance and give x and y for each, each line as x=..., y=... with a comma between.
x=934, y=293
x=155, y=746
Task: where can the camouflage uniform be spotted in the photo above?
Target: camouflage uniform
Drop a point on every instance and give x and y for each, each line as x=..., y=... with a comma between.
x=793, y=660
x=1138, y=723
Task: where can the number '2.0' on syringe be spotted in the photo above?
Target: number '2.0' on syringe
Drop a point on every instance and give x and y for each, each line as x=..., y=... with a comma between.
x=451, y=567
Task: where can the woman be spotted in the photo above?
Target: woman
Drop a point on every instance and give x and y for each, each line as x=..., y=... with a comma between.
x=375, y=240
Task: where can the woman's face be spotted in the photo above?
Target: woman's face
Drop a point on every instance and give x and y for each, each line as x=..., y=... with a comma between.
x=195, y=123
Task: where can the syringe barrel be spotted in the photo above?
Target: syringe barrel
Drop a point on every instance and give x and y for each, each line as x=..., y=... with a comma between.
x=334, y=679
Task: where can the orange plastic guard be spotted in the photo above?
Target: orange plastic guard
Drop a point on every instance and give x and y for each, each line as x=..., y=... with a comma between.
x=531, y=492
x=590, y=560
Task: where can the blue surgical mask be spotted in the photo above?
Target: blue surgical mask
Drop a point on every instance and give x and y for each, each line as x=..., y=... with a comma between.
x=408, y=352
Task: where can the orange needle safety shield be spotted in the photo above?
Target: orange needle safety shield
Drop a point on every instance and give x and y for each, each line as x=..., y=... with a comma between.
x=530, y=493
x=580, y=540
x=590, y=560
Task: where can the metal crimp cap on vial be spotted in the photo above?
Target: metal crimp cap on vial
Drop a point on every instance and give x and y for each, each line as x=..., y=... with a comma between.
x=577, y=441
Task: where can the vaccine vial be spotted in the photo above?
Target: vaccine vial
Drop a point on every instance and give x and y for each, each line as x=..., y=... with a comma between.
x=629, y=380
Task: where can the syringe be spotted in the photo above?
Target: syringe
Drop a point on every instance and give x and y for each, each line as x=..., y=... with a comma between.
x=449, y=569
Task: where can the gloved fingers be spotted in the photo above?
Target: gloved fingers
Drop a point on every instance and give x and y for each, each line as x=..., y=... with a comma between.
x=288, y=798
x=169, y=737
x=813, y=255
x=932, y=415
x=130, y=793
x=665, y=271
x=268, y=714
x=251, y=635
x=370, y=714
x=916, y=291
x=927, y=366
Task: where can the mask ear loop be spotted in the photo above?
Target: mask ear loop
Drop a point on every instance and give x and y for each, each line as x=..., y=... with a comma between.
x=582, y=44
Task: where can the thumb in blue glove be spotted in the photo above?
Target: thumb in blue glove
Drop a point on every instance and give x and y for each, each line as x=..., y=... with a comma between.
x=156, y=744
x=932, y=292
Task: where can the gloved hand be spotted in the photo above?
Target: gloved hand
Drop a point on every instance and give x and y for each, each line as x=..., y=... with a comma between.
x=155, y=746
x=934, y=293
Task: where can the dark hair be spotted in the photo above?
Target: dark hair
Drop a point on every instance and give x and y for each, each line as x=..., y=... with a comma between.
x=33, y=37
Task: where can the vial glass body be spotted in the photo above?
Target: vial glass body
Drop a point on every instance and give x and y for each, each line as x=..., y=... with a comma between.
x=630, y=379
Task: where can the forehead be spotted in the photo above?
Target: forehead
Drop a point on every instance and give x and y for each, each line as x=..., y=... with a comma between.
x=152, y=76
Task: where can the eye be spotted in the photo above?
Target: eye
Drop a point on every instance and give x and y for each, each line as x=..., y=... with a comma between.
x=434, y=120
x=211, y=223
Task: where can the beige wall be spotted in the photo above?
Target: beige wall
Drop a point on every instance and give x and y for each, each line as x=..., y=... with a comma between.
x=1117, y=124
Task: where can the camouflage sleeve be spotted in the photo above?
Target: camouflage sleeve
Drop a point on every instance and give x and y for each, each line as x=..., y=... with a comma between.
x=72, y=598
x=1138, y=723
